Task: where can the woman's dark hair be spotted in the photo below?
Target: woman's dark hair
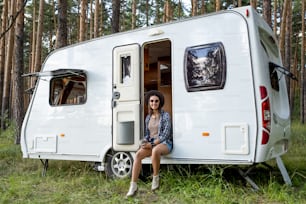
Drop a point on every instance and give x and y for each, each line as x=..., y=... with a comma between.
x=154, y=93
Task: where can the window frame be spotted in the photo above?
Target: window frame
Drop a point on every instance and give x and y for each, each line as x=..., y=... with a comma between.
x=221, y=84
x=65, y=73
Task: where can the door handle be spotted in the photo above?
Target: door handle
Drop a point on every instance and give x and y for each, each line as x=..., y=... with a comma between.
x=114, y=104
x=116, y=95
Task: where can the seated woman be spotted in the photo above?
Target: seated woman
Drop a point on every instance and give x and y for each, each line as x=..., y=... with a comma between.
x=157, y=139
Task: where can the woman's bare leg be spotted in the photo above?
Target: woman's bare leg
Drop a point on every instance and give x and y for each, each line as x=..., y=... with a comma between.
x=160, y=149
x=140, y=155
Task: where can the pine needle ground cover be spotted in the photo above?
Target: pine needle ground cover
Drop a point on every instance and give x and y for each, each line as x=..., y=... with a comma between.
x=21, y=180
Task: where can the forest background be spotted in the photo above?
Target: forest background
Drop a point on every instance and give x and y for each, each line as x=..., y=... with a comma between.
x=31, y=29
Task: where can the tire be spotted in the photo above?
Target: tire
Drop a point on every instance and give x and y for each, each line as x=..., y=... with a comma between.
x=119, y=165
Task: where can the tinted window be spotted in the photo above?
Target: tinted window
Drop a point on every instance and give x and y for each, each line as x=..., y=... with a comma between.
x=273, y=77
x=68, y=89
x=205, y=67
x=125, y=69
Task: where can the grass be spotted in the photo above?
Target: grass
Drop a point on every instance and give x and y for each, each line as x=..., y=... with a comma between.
x=75, y=182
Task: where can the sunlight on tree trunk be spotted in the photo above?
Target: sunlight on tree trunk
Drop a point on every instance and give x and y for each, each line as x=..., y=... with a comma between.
x=91, y=22
x=168, y=12
x=83, y=20
x=38, y=48
x=283, y=29
x=218, y=5
x=96, y=18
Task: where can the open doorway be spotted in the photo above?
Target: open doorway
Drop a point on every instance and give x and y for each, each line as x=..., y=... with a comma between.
x=158, y=71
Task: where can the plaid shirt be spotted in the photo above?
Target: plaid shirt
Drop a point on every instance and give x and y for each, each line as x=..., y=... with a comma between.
x=164, y=128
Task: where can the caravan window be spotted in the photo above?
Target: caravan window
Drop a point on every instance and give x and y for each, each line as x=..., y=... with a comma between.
x=205, y=67
x=125, y=69
x=68, y=89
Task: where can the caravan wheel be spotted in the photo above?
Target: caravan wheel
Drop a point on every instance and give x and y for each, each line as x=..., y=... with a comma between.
x=119, y=165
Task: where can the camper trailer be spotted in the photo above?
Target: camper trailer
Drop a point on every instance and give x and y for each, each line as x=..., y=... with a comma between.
x=221, y=75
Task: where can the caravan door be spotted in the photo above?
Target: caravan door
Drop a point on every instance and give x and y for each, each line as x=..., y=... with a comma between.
x=126, y=98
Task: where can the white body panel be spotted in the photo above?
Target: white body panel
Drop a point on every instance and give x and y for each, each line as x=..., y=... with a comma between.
x=231, y=116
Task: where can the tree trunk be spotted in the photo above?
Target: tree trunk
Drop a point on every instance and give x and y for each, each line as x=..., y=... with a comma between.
x=283, y=29
x=134, y=4
x=147, y=12
x=115, y=15
x=287, y=54
x=303, y=80
x=52, y=26
x=54, y=13
x=293, y=83
x=218, y=5
x=96, y=21
x=239, y=3
x=91, y=22
x=165, y=12
x=169, y=11
x=193, y=7
x=38, y=48
x=18, y=109
x=253, y=3
x=62, y=30
x=101, y=18
x=34, y=33
x=267, y=11
x=2, y=50
x=275, y=17
x=288, y=50
x=202, y=7
x=83, y=20
x=8, y=68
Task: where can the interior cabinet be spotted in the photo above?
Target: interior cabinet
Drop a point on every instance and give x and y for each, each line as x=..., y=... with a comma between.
x=164, y=81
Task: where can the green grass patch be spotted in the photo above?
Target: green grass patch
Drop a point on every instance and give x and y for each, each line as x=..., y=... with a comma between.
x=75, y=182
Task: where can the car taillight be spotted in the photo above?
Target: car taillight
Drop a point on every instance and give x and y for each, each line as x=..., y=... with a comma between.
x=266, y=115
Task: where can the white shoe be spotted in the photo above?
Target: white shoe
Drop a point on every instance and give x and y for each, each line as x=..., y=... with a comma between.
x=132, y=190
x=155, y=183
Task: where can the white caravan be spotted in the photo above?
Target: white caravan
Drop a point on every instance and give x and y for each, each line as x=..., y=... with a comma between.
x=221, y=76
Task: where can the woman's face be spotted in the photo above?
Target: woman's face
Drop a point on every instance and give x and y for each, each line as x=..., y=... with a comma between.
x=154, y=102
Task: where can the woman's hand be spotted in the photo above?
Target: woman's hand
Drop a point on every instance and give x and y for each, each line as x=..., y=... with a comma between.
x=146, y=145
x=156, y=142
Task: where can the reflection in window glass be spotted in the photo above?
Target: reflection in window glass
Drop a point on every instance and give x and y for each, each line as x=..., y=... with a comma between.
x=69, y=89
x=165, y=74
x=205, y=67
x=268, y=42
x=126, y=69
